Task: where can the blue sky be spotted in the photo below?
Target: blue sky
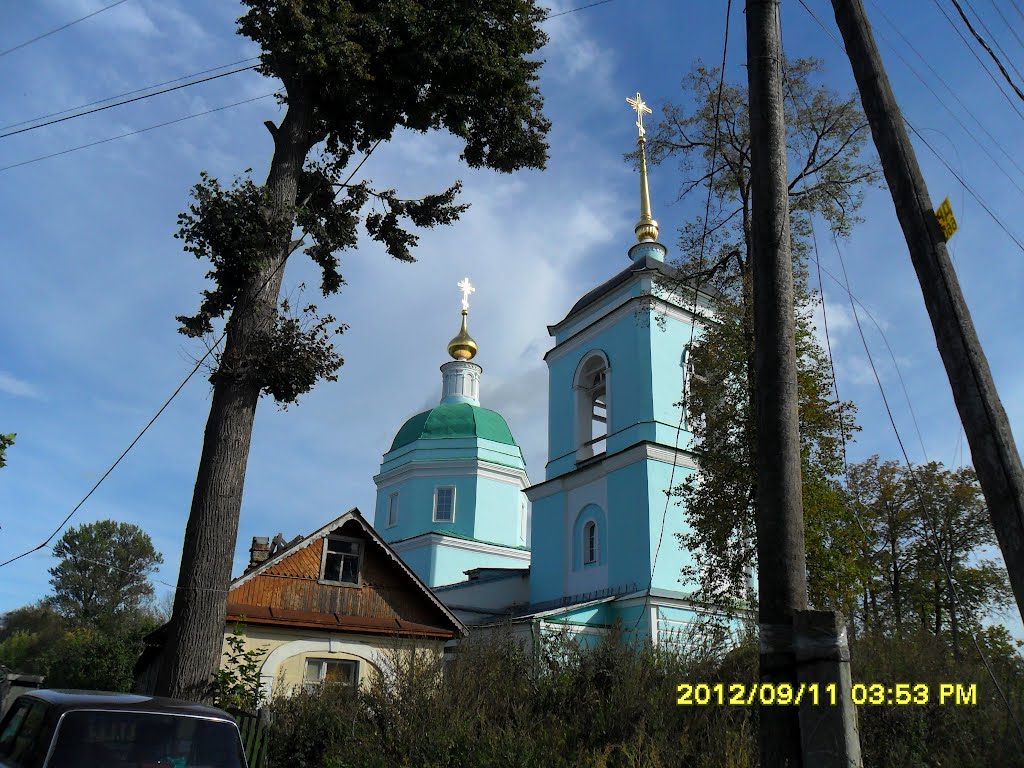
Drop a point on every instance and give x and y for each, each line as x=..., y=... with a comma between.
x=93, y=278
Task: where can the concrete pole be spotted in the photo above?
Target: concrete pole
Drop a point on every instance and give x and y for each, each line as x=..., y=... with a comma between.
x=782, y=580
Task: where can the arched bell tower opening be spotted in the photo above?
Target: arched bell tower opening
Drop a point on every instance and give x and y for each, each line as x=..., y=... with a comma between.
x=592, y=390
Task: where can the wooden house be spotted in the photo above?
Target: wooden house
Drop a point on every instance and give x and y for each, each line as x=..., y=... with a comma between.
x=329, y=607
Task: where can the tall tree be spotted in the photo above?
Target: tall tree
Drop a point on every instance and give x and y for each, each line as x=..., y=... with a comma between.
x=826, y=135
x=353, y=72
x=103, y=573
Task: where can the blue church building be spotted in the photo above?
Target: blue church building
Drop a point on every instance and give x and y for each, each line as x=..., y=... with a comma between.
x=596, y=540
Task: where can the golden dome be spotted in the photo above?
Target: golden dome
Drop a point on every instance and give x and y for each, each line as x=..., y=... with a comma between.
x=462, y=347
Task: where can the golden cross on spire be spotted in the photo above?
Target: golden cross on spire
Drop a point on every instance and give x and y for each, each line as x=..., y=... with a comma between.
x=641, y=109
x=467, y=288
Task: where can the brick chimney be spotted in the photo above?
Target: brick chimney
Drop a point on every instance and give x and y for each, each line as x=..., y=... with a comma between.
x=259, y=551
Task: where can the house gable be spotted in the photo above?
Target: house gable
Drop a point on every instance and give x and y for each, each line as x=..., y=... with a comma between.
x=287, y=590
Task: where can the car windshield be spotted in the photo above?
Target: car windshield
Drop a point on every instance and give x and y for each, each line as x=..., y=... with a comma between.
x=111, y=739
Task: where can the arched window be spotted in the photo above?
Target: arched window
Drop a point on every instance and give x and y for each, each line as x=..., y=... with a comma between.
x=590, y=544
x=592, y=389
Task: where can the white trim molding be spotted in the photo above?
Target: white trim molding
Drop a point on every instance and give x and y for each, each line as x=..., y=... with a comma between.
x=454, y=468
x=454, y=542
x=591, y=472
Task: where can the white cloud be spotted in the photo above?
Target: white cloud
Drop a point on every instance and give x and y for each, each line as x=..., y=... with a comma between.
x=16, y=387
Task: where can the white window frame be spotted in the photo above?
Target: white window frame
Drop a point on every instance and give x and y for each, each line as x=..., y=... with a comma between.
x=309, y=685
x=359, y=562
x=392, y=511
x=441, y=488
x=523, y=515
x=591, y=555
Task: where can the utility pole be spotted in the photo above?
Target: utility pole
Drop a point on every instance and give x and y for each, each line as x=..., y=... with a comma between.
x=782, y=579
x=988, y=430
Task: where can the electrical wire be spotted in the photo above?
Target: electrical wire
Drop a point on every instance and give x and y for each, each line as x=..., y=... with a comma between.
x=991, y=53
x=949, y=90
x=128, y=93
x=126, y=101
x=60, y=28
x=132, y=133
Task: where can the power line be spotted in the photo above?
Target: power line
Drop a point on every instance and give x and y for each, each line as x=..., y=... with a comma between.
x=62, y=27
x=977, y=58
x=985, y=45
x=995, y=4
x=126, y=101
x=128, y=93
x=995, y=40
x=132, y=133
x=934, y=151
x=942, y=101
x=178, y=389
x=573, y=10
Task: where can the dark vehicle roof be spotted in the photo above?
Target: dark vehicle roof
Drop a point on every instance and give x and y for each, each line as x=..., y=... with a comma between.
x=67, y=700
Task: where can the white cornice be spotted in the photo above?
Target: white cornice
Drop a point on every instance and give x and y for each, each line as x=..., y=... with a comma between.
x=591, y=472
x=469, y=545
x=457, y=467
x=630, y=306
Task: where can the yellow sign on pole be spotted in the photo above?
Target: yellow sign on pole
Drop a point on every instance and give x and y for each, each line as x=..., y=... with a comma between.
x=946, y=219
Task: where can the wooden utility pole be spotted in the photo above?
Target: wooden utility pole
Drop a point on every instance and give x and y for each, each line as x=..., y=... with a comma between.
x=782, y=579
x=988, y=430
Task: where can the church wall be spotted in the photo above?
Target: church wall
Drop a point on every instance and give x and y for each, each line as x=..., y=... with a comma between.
x=499, y=509
x=450, y=564
x=547, y=565
x=629, y=533
x=672, y=556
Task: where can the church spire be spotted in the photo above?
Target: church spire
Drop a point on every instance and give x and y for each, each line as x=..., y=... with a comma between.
x=647, y=228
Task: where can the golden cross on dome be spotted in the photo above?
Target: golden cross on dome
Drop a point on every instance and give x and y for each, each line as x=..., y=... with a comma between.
x=467, y=288
x=641, y=109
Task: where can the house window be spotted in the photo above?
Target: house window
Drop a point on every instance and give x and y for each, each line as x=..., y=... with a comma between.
x=342, y=561
x=444, y=504
x=590, y=543
x=592, y=416
x=392, y=510
x=332, y=671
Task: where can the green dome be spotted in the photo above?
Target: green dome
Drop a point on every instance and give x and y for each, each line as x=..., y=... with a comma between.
x=454, y=420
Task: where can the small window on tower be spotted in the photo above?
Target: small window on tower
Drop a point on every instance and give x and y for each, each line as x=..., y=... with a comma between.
x=590, y=550
x=444, y=504
x=342, y=560
x=392, y=510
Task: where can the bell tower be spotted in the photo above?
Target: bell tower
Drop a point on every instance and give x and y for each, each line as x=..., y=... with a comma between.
x=603, y=523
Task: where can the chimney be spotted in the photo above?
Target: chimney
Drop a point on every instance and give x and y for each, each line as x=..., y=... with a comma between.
x=259, y=551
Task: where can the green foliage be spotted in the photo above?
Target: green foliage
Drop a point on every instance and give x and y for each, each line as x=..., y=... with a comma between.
x=939, y=734
x=236, y=683
x=95, y=659
x=35, y=639
x=614, y=705
x=103, y=573
x=6, y=441
x=497, y=703
x=369, y=68
x=926, y=530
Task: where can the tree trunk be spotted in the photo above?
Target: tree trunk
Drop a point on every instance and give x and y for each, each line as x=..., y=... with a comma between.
x=196, y=637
